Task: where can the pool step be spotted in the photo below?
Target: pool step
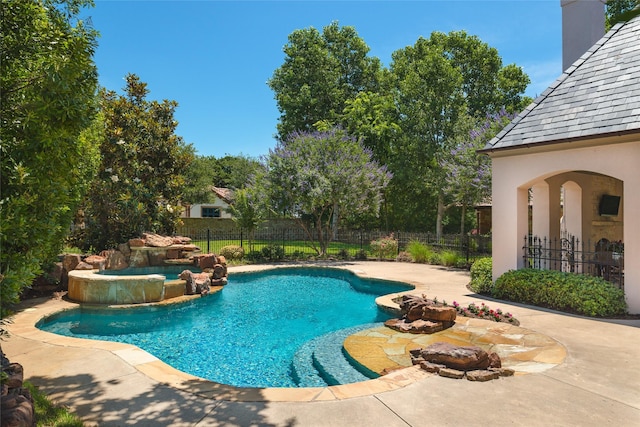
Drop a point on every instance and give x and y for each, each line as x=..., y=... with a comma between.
x=303, y=371
x=321, y=361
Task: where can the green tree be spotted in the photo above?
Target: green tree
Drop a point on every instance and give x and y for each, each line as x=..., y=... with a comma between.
x=233, y=172
x=140, y=180
x=321, y=71
x=437, y=82
x=236, y=171
x=468, y=174
x=47, y=100
x=620, y=11
x=322, y=176
x=246, y=211
x=430, y=99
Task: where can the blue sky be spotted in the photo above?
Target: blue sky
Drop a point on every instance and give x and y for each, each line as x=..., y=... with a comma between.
x=214, y=57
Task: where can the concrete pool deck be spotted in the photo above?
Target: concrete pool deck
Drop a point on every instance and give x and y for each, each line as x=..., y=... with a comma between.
x=595, y=382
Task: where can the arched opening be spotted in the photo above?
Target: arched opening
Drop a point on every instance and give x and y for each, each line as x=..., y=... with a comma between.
x=576, y=225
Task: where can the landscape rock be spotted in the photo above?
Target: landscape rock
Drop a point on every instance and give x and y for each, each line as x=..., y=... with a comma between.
x=139, y=259
x=16, y=403
x=463, y=358
x=196, y=283
x=422, y=316
x=125, y=249
x=115, y=260
x=219, y=271
x=415, y=327
x=96, y=261
x=156, y=240
x=504, y=372
x=482, y=375
x=451, y=373
x=70, y=261
x=181, y=240
x=136, y=243
x=434, y=368
x=207, y=261
x=84, y=266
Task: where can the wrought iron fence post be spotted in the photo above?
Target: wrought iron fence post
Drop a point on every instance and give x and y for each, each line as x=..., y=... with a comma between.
x=208, y=241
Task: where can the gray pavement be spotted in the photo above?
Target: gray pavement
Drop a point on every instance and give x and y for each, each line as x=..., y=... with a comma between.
x=597, y=384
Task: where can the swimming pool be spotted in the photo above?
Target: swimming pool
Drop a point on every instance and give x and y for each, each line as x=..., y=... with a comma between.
x=246, y=335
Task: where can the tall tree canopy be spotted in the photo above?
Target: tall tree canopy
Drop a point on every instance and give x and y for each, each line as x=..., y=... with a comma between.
x=619, y=11
x=47, y=100
x=322, y=176
x=233, y=172
x=321, y=71
x=407, y=115
x=140, y=179
x=467, y=174
x=436, y=83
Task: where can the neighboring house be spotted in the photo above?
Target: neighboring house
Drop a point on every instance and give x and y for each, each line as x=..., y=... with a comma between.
x=216, y=209
x=574, y=156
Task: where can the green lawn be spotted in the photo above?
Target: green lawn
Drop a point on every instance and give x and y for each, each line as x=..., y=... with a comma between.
x=290, y=247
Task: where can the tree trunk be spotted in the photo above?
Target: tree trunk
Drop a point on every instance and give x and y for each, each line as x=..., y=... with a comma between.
x=440, y=216
x=335, y=219
x=464, y=214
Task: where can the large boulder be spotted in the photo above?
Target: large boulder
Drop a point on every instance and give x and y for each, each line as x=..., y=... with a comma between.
x=156, y=240
x=462, y=358
x=115, y=260
x=97, y=262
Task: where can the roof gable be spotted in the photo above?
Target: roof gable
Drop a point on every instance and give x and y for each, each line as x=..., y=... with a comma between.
x=599, y=95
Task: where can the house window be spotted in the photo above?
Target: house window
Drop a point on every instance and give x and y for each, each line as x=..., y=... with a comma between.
x=209, y=212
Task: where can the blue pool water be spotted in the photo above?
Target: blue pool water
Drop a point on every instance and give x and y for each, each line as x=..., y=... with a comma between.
x=247, y=334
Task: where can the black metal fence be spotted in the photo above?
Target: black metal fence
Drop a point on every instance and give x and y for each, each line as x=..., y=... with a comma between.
x=295, y=242
x=603, y=259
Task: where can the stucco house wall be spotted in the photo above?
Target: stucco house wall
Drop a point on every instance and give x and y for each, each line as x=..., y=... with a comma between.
x=514, y=174
x=579, y=140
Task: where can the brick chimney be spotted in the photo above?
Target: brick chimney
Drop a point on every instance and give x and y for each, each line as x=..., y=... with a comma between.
x=582, y=27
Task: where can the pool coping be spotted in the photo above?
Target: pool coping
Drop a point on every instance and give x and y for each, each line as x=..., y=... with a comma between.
x=24, y=326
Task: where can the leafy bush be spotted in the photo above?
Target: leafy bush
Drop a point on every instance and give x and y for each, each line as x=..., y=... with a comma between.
x=361, y=255
x=419, y=251
x=232, y=252
x=254, y=256
x=299, y=255
x=272, y=253
x=482, y=276
x=343, y=254
x=591, y=296
x=385, y=247
x=450, y=259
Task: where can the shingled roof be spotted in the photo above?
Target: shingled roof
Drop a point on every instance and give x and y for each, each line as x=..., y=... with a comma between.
x=598, y=96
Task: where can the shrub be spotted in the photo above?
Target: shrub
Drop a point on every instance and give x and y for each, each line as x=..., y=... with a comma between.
x=343, y=254
x=361, y=255
x=254, y=256
x=591, y=296
x=232, y=252
x=385, y=247
x=419, y=251
x=299, y=255
x=450, y=258
x=272, y=253
x=482, y=276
